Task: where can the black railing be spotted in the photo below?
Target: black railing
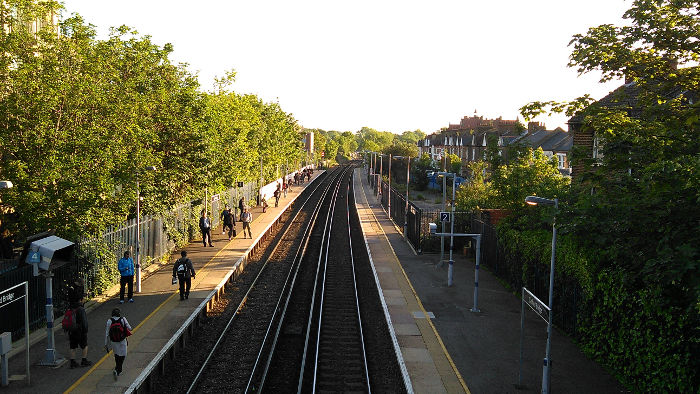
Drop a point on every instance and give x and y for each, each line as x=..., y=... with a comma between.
x=506, y=265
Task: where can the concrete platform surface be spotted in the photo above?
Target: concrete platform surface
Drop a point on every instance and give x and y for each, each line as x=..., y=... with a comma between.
x=483, y=348
x=156, y=315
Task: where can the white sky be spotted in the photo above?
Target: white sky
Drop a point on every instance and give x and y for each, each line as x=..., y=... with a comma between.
x=389, y=65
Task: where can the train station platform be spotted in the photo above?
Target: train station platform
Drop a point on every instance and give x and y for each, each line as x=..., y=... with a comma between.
x=448, y=348
x=156, y=315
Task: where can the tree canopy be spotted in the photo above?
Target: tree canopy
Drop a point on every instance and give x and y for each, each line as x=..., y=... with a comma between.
x=80, y=117
x=635, y=206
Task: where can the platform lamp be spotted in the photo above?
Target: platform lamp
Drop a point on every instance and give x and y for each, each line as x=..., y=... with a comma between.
x=547, y=368
x=138, y=226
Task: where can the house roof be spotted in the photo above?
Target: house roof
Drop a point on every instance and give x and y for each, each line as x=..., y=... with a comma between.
x=627, y=97
x=548, y=140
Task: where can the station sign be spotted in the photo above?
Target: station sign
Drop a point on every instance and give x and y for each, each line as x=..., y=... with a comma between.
x=11, y=295
x=536, y=305
x=445, y=216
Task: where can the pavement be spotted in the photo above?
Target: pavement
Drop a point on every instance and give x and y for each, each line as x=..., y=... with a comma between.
x=482, y=348
x=156, y=315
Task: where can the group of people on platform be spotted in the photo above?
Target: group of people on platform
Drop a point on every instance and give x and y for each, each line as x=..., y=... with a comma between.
x=299, y=176
x=117, y=327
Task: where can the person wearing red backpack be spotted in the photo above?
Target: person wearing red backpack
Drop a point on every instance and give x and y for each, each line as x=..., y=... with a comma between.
x=116, y=333
x=77, y=335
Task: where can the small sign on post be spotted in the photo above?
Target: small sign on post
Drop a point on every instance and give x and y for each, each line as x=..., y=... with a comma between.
x=239, y=184
x=542, y=311
x=445, y=217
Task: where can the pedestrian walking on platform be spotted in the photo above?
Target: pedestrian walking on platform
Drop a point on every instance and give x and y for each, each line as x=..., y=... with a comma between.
x=77, y=336
x=285, y=186
x=205, y=228
x=116, y=333
x=246, y=218
x=264, y=204
x=278, y=194
x=241, y=205
x=229, y=220
x=184, y=270
x=126, y=269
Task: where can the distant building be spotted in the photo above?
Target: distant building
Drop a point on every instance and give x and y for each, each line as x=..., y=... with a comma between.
x=469, y=138
x=309, y=142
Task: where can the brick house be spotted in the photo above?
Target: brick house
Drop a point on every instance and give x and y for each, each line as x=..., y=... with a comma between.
x=625, y=98
x=469, y=138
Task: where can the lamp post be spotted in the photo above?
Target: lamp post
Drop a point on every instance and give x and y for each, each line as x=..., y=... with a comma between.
x=138, y=227
x=388, y=190
x=547, y=368
x=381, y=173
x=408, y=183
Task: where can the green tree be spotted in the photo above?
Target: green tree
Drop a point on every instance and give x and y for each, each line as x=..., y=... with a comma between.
x=419, y=172
x=477, y=193
x=637, y=204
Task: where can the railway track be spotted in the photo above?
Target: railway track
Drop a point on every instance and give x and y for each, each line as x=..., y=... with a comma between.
x=299, y=326
x=232, y=359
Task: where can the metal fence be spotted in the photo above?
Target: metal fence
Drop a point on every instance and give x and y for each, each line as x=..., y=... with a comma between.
x=517, y=272
x=96, y=257
x=507, y=265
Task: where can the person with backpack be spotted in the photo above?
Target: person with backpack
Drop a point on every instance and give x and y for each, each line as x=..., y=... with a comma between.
x=118, y=329
x=126, y=269
x=246, y=218
x=76, y=324
x=184, y=270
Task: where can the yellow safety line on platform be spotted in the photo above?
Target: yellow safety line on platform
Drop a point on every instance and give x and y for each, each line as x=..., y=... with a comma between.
x=420, y=304
x=97, y=364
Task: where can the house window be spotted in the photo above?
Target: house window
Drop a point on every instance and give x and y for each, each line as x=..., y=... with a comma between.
x=561, y=160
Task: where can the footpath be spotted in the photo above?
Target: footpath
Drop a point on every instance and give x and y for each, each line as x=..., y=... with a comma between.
x=156, y=315
x=448, y=348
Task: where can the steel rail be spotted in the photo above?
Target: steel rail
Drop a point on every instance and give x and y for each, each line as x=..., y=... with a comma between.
x=245, y=297
x=321, y=310
x=286, y=295
x=357, y=298
x=326, y=232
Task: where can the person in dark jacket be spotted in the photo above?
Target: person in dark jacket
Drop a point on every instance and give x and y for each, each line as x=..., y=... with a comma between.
x=241, y=206
x=184, y=270
x=205, y=228
x=277, y=194
x=126, y=269
x=78, y=336
x=229, y=220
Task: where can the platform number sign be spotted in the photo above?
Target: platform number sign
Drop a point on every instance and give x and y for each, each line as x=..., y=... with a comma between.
x=444, y=216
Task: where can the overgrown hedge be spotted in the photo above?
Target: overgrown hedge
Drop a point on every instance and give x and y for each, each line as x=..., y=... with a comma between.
x=647, y=344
